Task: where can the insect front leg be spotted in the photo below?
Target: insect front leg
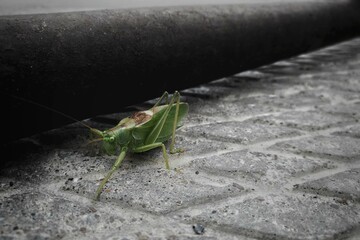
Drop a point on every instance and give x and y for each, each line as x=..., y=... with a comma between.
x=152, y=146
x=113, y=169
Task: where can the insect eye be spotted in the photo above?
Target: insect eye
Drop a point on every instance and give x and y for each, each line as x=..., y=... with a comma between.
x=112, y=138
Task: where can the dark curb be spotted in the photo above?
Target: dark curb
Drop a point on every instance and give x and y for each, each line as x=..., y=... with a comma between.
x=96, y=62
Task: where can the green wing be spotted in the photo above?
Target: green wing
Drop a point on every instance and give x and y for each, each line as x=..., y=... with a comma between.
x=167, y=129
x=141, y=132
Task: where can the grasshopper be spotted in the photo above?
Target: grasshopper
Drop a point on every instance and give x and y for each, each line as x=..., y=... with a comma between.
x=143, y=131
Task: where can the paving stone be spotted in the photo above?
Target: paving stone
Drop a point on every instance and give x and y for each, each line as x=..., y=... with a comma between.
x=324, y=90
x=234, y=106
x=339, y=53
x=193, y=147
x=259, y=97
x=255, y=74
x=354, y=235
x=35, y=215
x=288, y=99
x=11, y=184
x=257, y=167
x=305, y=61
x=240, y=82
x=224, y=110
x=284, y=217
x=61, y=163
x=345, y=185
x=353, y=131
x=56, y=165
x=164, y=231
x=331, y=147
x=245, y=132
x=349, y=110
x=307, y=120
x=153, y=190
x=338, y=81
x=207, y=91
x=196, y=119
x=246, y=85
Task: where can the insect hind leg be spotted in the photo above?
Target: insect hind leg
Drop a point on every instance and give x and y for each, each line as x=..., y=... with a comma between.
x=178, y=150
x=152, y=146
x=164, y=96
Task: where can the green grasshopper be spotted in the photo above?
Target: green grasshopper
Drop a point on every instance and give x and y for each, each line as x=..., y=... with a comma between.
x=143, y=131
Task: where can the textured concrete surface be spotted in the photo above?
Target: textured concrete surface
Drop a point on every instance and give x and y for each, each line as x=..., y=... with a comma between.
x=271, y=153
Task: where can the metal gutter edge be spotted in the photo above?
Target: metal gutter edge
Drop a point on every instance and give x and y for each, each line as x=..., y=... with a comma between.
x=96, y=62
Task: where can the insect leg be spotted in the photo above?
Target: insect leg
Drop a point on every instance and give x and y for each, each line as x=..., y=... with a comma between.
x=165, y=95
x=172, y=150
x=113, y=169
x=152, y=146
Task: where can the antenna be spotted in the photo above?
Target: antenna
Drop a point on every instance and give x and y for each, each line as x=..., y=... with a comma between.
x=49, y=109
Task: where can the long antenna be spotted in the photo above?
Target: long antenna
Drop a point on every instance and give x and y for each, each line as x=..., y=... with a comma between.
x=49, y=109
